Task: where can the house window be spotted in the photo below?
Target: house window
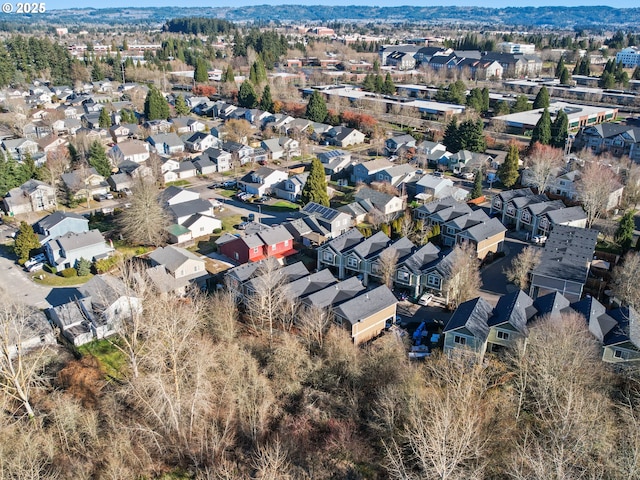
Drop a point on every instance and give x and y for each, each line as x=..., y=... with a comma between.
x=459, y=340
x=403, y=276
x=511, y=210
x=286, y=243
x=622, y=355
x=526, y=217
x=451, y=230
x=255, y=249
x=236, y=256
x=273, y=248
x=502, y=335
x=375, y=268
x=352, y=262
x=202, y=229
x=327, y=257
x=433, y=281
x=196, y=268
x=497, y=204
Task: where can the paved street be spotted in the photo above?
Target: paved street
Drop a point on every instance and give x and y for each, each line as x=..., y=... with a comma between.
x=14, y=281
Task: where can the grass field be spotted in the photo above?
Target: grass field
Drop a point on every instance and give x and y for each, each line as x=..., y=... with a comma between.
x=51, y=280
x=282, y=206
x=178, y=183
x=111, y=359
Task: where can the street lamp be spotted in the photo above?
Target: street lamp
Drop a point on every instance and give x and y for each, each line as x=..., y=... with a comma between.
x=259, y=213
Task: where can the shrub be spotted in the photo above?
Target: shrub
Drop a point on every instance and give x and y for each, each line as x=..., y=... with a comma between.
x=50, y=269
x=69, y=272
x=217, y=231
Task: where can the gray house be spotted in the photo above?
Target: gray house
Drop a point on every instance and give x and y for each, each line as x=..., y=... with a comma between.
x=58, y=224
x=65, y=251
x=291, y=188
x=468, y=327
x=333, y=221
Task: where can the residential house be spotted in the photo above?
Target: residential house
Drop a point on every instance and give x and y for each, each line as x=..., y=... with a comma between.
x=566, y=185
x=307, y=231
x=291, y=188
x=220, y=158
x=120, y=133
x=426, y=269
x=74, y=319
x=334, y=161
x=204, y=165
x=397, y=176
x=281, y=147
x=157, y=126
x=486, y=237
x=617, y=139
x=129, y=151
x=19, y=148
x=31, y=196
x=366, y=172
x=333, y=221
x=166, y=143
x=174, y=195
x=468, y=327
x=120, y=181
x=621, y=343
x=200, y=224
x=239, y=152
x=508, y=324
x=510, y=203
x=51, y=143
x=35, y=331
x=58, y=224
x=183, y=210
x=440, y=211
x=186, y=169
x=262, y=180
x=401, y=60
x=267, y=241
x=434, y=188
x=84, y=183
x=388, y=205
x=66, y=250
x=332, y=253
x=565, y=262
x=187, y=125
x=344, y=136
x=237, y=279
x=170, y=170
x=394, y=145
x=173, y=269
x=200, y=141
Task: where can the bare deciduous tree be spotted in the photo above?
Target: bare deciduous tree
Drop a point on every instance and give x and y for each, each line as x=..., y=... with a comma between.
x=542, y=163
x=145, y=221
x=463, y=281
x=521, y=266
x=237, y=130
x=18, y=371
x=626, y=280
x=313, y=323
x=594, y=188
x=271, y=462
x=387, y=263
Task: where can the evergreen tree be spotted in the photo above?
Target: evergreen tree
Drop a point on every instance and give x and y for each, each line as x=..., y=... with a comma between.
x=156, y=106
x=247, y=96
x=201, y=73
x=485, y=99
x=471, y=137
x=636, y=74
x=74, y=156
x=83, y=267
x=451, y=138
x=105, y=119
x=379, y=84
x=316, y=108
x=624, y=233
x=369, y=83
x=28, y=168
x=376, y=65
x=315, y=190
x=98, y=159
x=542, y=131
x=565, y=78
x=96, y=72
x=229, y=76
x=258, y=72
x=542, y=99
x=559, y=67
x=26, y=240
x=266, y=102
x=389, y=87
x=476, y=192
x=474, y=99
x=181, y=106
x=239, y=46
x=522, y=104
x=607, y=80
x=127, y=116
x=508, y=171
x=559, y=130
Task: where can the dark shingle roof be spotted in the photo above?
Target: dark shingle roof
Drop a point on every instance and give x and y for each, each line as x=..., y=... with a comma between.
x=472, y=315
x=345, y=241
x=55, y=218
x=335, y=294
x=553, y=304
x=372, y=245
x=309, y=284
x=366, y=304
x=515, y=308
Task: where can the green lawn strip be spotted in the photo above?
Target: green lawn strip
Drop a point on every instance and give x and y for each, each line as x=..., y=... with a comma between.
x=112, y=360
x=225, y=193
x=51, y=280
x=282, y=205
x=178, y=183
x=228, y=223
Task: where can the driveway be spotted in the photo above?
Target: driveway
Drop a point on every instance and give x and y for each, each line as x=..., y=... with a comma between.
x=14, y=281
x=494, y=280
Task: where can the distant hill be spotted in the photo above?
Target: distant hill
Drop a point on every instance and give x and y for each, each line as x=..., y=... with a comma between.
x=553, y=17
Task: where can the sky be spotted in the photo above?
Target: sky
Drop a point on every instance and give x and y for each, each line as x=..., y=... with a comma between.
x=57, y=4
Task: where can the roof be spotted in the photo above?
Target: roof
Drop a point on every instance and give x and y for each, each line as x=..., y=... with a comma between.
x=432, y=182
x=600, y=324
x=372, y=245
x=423, y=258
x=73, y=241
x=274, y=235
x=309, y=284
x=345, y=241
x=177, y=230
x=366, y=304
x=170, y=139
x=551, y=304
x=172, y=257
x=374, y=196
x=190, y=207
x=288, y=273
x=335, y=294
x=326, y=213
x=374, y=166
x=515, y=308
x=472, y=315
x=131, y=147
x=325, y=157
x=485, y=230
x=566, y=215
x=55, y=218
x=104, y=290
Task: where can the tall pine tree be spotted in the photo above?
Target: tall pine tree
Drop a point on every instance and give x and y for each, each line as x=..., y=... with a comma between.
x=316, y=108
x=542, y=98
x=105, y=119
x=508, y=171
x=476, y=192
x=315, y=190
x=452, y=139
x=266, y=102
x=181, y=106
x=559, y=130
x=201, y=73
x=542, y=131
x=98, y=159
x=156, y=106
x=247, y=96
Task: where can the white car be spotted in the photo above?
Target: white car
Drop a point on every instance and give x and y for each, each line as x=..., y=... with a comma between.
x=35, y=267
x=40, y=258
x=539, y=238
x=425, y=299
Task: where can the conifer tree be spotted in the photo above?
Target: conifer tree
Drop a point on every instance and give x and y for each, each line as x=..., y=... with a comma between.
x=229, y=76
x=369, y=83
x=522, y=104
x=559, y=67
x=156, y=106
x=451, y=138
x=542, y=99
x=624, y=233
x=26, y=240
x=181, y=106
x=565, y=78
x=559, y=130
x=201, y=73
x=105, y=119
x=98, y=159
x=476, y=192
x=247, y=96
x=316, y=108
x=379, y=83
x=542, y=131
x=258, y=72
x=508, y=171
x=315, y=190
x=266, y=102
x=389, y=87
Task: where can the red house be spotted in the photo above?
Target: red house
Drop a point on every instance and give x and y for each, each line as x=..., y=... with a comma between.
x=266, y=242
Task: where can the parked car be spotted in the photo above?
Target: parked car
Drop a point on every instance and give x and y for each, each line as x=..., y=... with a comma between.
x=425, y=299
x=36, y=266
x=215, y=185
x=229, y=184
x=539, y=238
x=100, y=197
x=127, y=192
x=242, y=226
x=108, y=196
x=251, y=217
x=34, y=260
x=260, y=200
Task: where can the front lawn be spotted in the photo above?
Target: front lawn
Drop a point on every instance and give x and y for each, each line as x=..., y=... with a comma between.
x=226, y=193
x=111, y=359
x=178, y=183
x=282, y=205
x=229, y=223
x=50, y=280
